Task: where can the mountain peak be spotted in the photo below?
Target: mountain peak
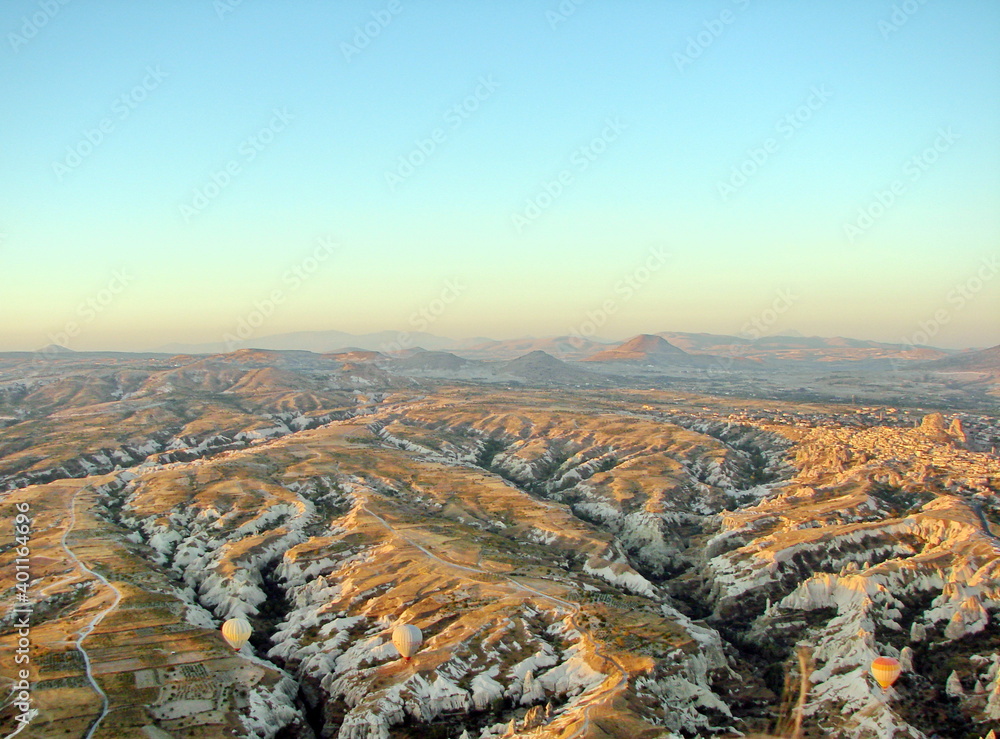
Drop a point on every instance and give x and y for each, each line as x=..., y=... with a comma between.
x=650, y=344
x=641, y=348
x=537, y=358
x=56, y=349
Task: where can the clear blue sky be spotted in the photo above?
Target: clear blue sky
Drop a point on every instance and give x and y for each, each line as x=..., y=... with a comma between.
x=644, y=109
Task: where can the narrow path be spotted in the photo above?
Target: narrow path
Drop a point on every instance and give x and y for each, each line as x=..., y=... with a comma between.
x=86, y=630
x=587, y=703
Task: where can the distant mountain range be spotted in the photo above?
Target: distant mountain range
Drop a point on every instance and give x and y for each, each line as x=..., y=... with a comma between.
x=676, y=347
x=816, y=348
x=564, y=360
x=812, y=368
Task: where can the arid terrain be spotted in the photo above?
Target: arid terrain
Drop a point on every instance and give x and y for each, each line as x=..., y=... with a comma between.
x=632, y=546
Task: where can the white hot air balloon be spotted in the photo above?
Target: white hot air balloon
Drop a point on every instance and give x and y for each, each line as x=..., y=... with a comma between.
x=407, y=639
x=236, y=631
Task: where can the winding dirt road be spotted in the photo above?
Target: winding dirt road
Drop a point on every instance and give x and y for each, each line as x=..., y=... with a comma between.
x=86, y=630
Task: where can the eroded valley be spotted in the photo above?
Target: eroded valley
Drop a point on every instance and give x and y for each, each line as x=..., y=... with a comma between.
x=628, y=563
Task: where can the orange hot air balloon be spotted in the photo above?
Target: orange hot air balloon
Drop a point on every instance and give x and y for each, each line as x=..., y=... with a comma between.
x=885, y=671
x=236, y=631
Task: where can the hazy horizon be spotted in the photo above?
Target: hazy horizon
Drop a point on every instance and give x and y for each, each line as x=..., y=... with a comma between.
x=400, y=340
x=501, y=170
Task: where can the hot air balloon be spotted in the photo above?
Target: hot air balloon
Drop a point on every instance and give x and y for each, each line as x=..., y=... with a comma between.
x=407, y=638
x=236, y=631
x=885, y=671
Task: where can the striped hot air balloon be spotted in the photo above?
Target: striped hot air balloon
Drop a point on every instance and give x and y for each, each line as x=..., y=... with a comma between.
x=885, y=670
x=407, y=639
x=236, y=631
